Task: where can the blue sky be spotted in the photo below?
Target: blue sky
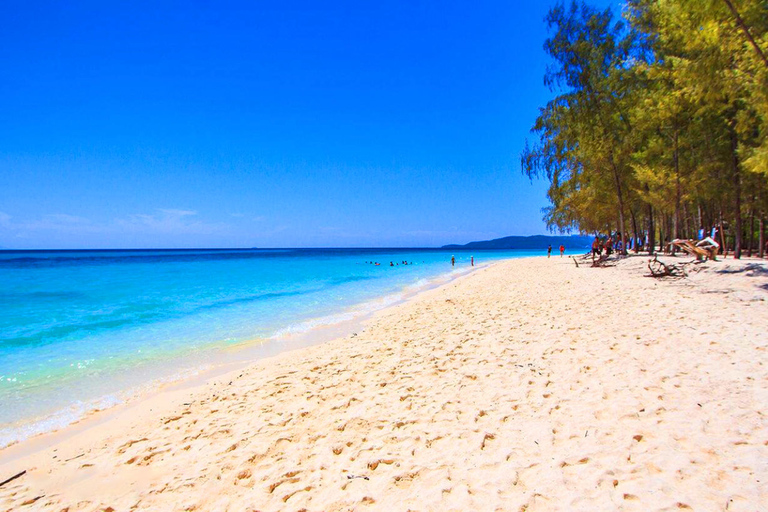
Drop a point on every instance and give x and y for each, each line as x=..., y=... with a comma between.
x=268, y=124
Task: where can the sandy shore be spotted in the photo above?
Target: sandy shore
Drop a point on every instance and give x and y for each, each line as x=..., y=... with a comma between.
x=528, y=385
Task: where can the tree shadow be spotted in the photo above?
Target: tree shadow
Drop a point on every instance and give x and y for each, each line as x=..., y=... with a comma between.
x=753, y=269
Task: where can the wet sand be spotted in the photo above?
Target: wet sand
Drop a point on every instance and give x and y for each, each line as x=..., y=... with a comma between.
x=528, y=385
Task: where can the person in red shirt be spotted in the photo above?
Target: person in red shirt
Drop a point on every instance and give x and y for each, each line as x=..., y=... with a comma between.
x=596, y=249
x=562, y=250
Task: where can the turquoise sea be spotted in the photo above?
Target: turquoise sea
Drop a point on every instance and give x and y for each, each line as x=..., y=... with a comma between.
x=81, y=330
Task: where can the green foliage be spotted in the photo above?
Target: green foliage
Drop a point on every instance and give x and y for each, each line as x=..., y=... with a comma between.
x=660, y=115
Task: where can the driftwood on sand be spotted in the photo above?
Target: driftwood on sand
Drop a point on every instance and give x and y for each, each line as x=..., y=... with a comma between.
x=603, y=261
x=660, y=269
x=14, y=477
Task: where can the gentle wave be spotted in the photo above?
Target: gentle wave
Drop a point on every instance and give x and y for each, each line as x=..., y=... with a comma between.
x=54, y=422
x=28, y=428
x=53, y=259
x=328, y=320
x=63, y=261
x=362, y=310
x=136, y=318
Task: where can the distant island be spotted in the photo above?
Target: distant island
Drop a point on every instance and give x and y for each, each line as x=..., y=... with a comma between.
x=527, y=242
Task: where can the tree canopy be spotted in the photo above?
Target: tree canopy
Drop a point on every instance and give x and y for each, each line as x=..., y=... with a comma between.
x=658, y=126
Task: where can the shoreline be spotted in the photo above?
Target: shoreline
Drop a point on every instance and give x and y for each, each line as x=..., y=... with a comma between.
x=528, y=384
x=227, y=360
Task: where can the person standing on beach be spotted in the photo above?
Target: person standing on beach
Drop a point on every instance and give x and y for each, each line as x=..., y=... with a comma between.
x=453, y=261
x=472, y=260
x=549, y=251
x=595, y=248
x=562, y=250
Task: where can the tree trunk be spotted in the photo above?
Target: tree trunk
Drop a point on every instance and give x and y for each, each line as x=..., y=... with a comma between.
x=661, y=233
x=723, y=247
x=634, y=229
x=701, y=221
x=676, y=218
x=651, y=231
x=621, y=226
x=751, y=237
x=737, y=190
x=620, y=198
x=761, y=237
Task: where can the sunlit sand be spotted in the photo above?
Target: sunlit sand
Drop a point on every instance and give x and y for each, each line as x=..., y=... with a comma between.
x=527, y=385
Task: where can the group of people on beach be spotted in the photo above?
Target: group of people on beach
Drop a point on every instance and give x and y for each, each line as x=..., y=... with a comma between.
x=405, y=262
x=471, y=261
x=613, y=242
x=391, y=263
x=549, y=250
x=605, y=246
x=609, y=245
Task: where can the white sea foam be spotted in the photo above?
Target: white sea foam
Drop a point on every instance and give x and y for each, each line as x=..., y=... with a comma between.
x=58, y=420
x=337, y=318
x=366, y=308
x=77, y=410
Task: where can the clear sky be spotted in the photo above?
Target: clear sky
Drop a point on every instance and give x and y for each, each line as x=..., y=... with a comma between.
x=268, y=123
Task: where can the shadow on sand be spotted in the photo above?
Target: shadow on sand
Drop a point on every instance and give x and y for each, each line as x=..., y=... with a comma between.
x=753, y=269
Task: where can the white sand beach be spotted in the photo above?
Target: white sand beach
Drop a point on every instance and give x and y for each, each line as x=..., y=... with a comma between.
x=527, y=385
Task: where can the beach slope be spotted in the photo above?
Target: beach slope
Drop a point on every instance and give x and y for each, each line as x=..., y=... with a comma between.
x=527, y=385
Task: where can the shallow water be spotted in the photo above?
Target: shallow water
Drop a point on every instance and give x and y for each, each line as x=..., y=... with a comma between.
x=80, y=328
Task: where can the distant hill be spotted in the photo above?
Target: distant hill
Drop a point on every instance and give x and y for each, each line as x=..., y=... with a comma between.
x=528, y=242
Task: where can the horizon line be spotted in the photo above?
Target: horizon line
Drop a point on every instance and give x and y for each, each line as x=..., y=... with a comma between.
x=452, y=246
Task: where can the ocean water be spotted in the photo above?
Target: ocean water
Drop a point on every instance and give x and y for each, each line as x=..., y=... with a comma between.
x=81, y=330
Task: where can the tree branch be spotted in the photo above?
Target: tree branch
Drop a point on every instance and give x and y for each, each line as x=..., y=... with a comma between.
x=746, y=31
